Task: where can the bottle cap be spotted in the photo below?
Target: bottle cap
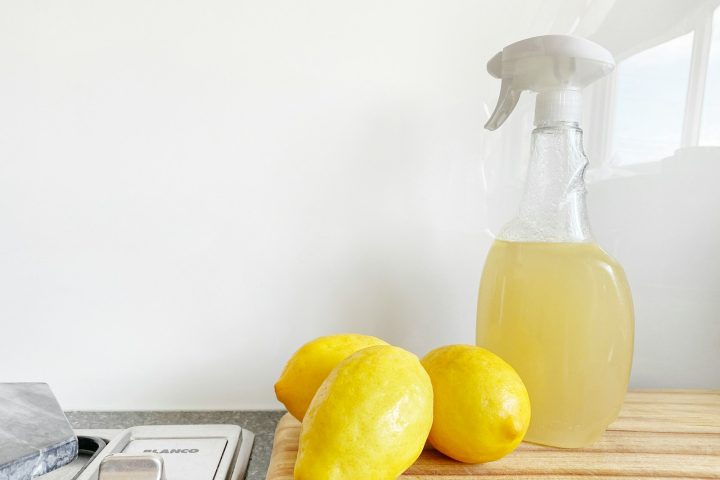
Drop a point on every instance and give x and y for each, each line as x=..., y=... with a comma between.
x=556, y=67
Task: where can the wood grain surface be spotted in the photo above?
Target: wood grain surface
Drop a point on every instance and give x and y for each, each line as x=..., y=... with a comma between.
x=659, y=435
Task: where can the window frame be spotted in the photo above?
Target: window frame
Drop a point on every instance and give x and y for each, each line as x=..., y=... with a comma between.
x=697, y=79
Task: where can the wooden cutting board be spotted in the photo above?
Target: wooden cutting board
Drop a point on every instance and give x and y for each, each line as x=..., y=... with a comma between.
x=659, y=435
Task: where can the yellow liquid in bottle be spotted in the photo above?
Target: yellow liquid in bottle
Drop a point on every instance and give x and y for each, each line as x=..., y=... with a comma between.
x=561, y=314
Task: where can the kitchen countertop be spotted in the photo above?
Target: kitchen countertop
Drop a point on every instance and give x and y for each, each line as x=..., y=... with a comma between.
x=261, y=423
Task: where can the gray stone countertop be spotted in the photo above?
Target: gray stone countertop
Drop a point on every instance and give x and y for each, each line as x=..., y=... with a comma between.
x=261, y=423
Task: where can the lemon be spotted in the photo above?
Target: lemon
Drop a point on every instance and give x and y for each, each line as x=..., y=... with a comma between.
x=311, y=364
x=369, y=419
x=482, y=409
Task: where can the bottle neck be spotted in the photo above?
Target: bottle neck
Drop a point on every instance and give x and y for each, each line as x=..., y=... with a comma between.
x=553, y=206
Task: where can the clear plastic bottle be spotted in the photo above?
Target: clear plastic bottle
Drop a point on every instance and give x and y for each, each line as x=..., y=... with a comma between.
x=559, y=312
x=552, y=303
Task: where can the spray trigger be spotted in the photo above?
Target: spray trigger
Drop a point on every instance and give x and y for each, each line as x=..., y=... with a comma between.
x=556, y=67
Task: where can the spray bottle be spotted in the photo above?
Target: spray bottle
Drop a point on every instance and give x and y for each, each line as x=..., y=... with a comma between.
x=552, y=303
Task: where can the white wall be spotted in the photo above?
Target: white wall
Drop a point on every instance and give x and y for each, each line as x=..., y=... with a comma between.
x=190, y=190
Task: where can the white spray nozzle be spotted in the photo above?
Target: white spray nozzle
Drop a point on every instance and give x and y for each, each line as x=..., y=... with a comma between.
x=557, y=67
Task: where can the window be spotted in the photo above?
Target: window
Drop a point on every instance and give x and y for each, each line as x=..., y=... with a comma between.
x=668, y=97
x=650, y=94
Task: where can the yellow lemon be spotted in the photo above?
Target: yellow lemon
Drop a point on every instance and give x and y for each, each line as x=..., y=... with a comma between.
x=311, y=364
x=482, y=409
x=369, y=419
